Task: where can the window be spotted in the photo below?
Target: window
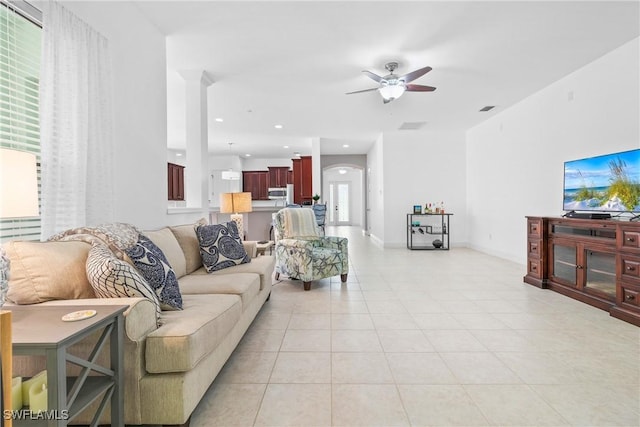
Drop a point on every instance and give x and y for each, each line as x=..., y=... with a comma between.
x=20, y=34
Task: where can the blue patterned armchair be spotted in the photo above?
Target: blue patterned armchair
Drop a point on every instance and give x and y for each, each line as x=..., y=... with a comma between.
x=302, y=253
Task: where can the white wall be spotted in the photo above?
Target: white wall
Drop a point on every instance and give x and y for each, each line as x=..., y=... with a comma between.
x=375, y=191
x=419, y=168
x=515, y=160
x=176, y=157
x=217, y=185
x=250, y=164
x=140, y=112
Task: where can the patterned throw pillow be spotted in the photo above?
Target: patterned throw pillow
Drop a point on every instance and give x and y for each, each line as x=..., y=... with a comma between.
x=111, y=277
x=220, y=246
x=154, y=267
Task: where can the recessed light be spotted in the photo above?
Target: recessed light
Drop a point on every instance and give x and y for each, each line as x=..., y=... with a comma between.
x=247, y=155
x=178, y=154
x=278, y=126
x=342, y=171
x=345, y=146
x=285, y=146
x=219, y=119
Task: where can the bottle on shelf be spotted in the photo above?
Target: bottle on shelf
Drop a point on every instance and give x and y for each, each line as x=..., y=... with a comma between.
x=442, y=208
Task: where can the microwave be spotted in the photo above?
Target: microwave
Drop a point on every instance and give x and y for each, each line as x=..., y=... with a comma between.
x=276, y=193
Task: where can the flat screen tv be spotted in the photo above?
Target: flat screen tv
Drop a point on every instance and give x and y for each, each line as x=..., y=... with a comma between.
x=607, y=183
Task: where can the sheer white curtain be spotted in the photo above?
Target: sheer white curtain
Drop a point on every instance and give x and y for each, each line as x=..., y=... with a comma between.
x=75, y=123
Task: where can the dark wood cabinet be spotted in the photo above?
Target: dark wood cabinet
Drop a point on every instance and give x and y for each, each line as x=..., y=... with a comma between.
x=536, y=262
x=175, y=175
x=302, y=180
x=593, y=261
x=257, y=183
x=278, y=176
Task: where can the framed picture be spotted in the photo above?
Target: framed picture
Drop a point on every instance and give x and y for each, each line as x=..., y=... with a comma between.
x=417, y=209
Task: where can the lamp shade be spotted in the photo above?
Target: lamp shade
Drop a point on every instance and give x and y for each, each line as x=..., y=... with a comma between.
x=18, y=184
x=235, y=202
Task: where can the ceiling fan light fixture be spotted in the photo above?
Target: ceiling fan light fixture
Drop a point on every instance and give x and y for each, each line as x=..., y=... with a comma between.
x=391, y=92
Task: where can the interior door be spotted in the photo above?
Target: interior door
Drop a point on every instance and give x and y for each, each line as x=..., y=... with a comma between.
x=338, y=206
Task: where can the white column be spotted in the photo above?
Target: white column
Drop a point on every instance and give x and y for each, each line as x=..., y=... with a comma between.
x=316, y=168
x=196, y=177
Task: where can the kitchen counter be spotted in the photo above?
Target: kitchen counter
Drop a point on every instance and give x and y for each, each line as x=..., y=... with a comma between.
x=257, y=223
x=258, y=206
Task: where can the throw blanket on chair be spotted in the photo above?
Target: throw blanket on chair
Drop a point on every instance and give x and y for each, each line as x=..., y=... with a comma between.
x=299, y=225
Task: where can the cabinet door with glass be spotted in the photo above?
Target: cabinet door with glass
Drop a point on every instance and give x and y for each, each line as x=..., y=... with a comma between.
x=563, y=262
x=599, y=269
x=586, y=267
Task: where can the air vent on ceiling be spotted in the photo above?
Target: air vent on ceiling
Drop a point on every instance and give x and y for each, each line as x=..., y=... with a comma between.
x=487, y=108
x=411, y=125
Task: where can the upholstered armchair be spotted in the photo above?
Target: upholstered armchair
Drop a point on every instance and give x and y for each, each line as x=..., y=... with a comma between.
x=302, y=253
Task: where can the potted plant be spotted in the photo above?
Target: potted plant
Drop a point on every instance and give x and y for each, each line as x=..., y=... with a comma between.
x=315, y=198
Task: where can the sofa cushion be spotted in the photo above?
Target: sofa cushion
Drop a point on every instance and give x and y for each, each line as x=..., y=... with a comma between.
x=262, y=265
x=246, y=285
x=44, y=271
x=167, y=243
x=220, y=246
x=188, y=241
x=155, y=268
x=187, y=336
x=111, y=277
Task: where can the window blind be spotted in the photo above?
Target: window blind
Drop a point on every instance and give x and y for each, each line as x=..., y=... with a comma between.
x=20, y=34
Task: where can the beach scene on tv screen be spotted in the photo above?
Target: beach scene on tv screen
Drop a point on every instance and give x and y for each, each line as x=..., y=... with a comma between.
x=604, y=183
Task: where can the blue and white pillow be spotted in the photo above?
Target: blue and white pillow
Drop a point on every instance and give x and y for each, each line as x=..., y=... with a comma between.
x=153, y=265
x=220, y=246
x=111, y=277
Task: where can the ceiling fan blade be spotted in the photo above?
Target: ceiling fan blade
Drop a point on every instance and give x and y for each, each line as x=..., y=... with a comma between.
x=360, y=91
x=373, y=76
x=420, y=88
x=415, y=74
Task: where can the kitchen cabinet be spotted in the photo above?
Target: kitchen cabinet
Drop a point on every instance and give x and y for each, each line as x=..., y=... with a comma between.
x=175, y=175
x=302, y=180
x=278, y=176
x=257, y=183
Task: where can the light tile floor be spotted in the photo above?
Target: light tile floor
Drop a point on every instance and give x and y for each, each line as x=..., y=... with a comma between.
x=448, y=338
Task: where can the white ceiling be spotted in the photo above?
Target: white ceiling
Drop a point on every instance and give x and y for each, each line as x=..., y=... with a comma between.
x=291, y=63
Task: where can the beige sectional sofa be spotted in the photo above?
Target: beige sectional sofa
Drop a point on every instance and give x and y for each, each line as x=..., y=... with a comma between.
x=168, y=368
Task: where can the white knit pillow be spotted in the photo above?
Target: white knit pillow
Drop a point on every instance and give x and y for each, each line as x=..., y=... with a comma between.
x=111, y=277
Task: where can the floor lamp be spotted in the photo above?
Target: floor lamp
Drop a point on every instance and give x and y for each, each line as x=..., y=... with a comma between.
x=236, y=204
x=18, y=199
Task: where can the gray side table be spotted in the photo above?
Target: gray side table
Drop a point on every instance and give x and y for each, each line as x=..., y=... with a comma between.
x=41, y=331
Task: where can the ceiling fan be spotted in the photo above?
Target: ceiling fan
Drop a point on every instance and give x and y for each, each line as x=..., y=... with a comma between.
x=393, y=86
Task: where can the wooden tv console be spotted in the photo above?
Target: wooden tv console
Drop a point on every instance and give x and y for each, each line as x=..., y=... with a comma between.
x=594, y=261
